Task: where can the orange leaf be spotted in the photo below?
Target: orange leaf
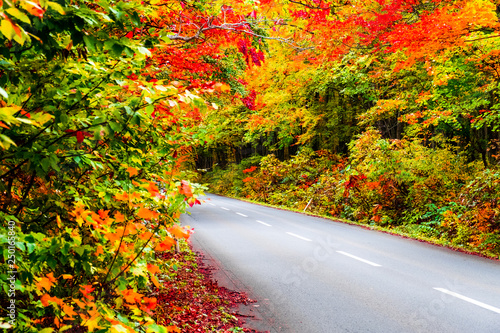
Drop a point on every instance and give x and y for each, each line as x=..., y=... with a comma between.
x=155, y=281
x=33, y=8
x=147, y=214
x=119, y=217
x=145, y=235
x=130, y=296
x=51, y=277
x=86, y=290
x=135, y=195
x=79, y=303
x=122, y=197
x=185, y=189
x=166, y=244
x=132, y=171
x=99, y=251
x=112, y=237
x=44, y=283
x=148, y=304
x=153, y=269
x=68, y=310
x=178, y=231
x=45, y=299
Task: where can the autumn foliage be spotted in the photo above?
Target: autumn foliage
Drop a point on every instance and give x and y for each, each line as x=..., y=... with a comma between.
x=392, y=107
x=400, y=93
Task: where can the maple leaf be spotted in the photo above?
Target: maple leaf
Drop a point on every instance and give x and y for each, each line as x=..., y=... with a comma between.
x=46, y=298
x=119, y=217
x=251, y=169
x=153, y=269
x=44, y=283
x=122, y=197
x=86, y=290
x=148, y=304
x=145, y=235
x=69, y=311
x=178, y=231
x=130, y=296
x=112, y=236
x=132, y=171
x=93, y=323
x=81, y=304
x=165, y=245
x=147, y=214
x=98, y=251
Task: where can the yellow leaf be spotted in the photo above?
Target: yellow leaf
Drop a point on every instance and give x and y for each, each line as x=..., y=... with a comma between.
x=92, y=323
x=10, y=30
x=57, y=7
x=67, y=276
x=155, y=281
x=118, y=329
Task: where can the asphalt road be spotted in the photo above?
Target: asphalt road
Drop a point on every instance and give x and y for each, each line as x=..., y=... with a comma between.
x=312, y=275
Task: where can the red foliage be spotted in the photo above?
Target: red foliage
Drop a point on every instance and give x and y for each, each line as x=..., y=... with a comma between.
x=192, y=300
x=251, y=169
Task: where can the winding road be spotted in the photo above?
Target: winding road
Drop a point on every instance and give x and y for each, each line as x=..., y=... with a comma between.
x=313, y=275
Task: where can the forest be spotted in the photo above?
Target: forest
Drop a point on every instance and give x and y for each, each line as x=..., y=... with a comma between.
x=115, y=116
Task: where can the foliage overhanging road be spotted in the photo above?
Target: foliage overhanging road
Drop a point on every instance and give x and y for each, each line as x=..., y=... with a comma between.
x=313, y=275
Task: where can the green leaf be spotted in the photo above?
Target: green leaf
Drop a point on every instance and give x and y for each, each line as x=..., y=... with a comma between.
x=45, y=163
x=14, y=12
x=79, y=249
x=57, y=7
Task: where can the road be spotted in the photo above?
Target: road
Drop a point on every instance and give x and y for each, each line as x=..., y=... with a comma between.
x=313, y=275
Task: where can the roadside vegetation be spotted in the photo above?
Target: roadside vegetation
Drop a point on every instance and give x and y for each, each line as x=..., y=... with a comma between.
x=402, y=187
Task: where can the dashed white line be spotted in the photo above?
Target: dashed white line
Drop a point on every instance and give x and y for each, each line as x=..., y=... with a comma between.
x=264, y=223
x=241, y=214
x=211, y=204
x=225, y=208
x=470, y=300
x=360, y=259
x=298, y=236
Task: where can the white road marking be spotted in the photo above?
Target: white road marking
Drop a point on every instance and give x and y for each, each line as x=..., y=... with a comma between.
x=470, y=300
x=360, y=259
x=211, y=204
x=225, y=208
x=300, y=237
x=241, y=214
x=264, y=223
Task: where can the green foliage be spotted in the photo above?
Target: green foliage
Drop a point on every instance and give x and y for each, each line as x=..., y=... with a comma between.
x=86, y=146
